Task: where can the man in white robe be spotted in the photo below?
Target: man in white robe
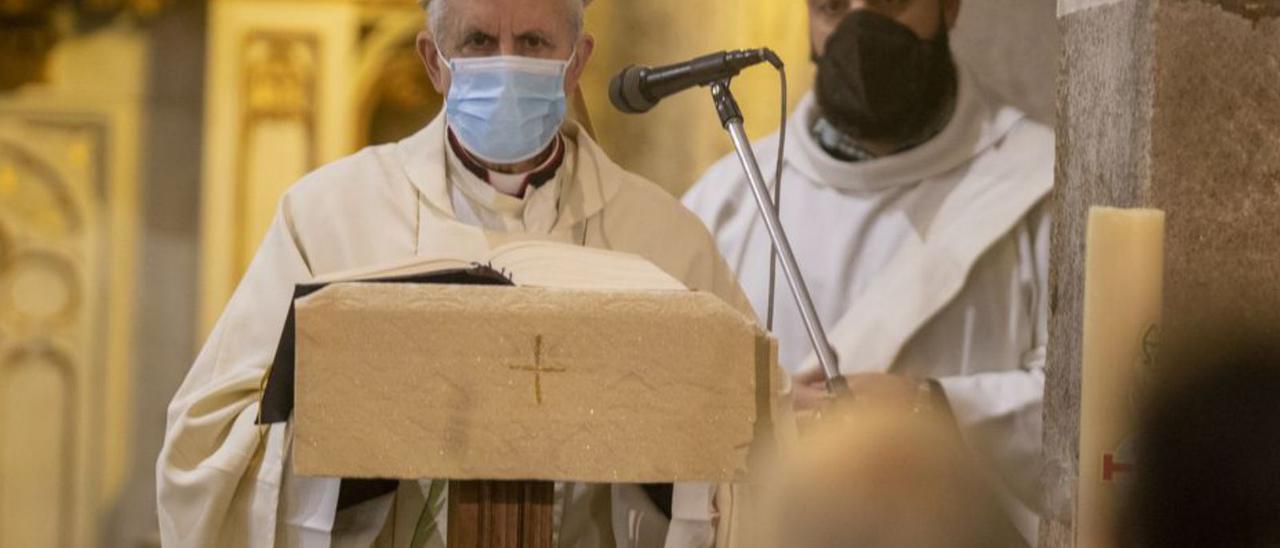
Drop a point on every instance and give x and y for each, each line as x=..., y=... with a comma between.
x=224, y=480
x=925, y=241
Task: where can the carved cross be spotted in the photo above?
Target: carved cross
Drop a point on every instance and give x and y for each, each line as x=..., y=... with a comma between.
x=537, y=368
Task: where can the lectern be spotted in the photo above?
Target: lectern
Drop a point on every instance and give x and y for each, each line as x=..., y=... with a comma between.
x=505, y=390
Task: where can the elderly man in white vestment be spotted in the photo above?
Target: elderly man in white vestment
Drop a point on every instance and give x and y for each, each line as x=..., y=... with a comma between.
x=498, y=165
x=916, y=204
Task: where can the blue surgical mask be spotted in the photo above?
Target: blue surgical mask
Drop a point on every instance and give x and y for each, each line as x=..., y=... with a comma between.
x=506, y=110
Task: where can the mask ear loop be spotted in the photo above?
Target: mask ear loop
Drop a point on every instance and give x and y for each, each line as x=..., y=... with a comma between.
x=568, y=63
x=440, y=55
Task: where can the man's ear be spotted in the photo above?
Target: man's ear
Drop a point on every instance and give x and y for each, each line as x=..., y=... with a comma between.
x=581, y=56
x=428, y=52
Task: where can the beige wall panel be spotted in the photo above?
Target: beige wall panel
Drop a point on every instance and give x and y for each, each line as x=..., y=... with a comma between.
x=68, y=170
x=36, y=455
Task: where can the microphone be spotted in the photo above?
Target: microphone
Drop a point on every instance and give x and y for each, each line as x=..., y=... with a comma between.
x=636, y=89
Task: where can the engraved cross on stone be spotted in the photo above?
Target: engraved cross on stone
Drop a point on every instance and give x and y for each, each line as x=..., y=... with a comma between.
x=537, y=368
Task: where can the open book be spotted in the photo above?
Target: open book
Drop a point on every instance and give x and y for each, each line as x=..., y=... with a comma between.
x=532, y=264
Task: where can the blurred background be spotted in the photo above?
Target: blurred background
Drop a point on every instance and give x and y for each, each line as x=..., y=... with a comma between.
x=144, y=144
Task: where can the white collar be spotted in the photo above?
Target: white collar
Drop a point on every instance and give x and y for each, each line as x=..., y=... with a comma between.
x=535, y=212
x=974, y=126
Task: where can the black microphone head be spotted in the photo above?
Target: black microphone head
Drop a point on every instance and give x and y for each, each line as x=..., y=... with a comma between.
x=615, y=91
x=625, y=91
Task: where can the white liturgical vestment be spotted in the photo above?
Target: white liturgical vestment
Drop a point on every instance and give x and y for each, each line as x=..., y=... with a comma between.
x=932, y=263
x=225, y=481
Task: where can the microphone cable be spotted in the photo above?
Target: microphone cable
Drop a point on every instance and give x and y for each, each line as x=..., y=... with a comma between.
x=777, y=180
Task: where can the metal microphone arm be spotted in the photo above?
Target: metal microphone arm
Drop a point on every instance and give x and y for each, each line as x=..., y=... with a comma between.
x=732, y=120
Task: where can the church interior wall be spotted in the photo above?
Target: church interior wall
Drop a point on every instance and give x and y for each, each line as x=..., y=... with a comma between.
x=154, y=83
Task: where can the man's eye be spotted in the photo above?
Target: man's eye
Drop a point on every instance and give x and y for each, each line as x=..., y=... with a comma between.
x=534, y=42
x=833, y=8
x=888, y=5
x=478, y=41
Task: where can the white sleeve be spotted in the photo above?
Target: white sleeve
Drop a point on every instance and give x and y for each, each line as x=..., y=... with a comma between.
x=218, y=476
x=712, y=196
x=1001, y=412
x=692, y=516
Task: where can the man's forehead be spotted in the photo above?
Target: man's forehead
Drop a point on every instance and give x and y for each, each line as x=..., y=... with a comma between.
x=851, y=4
x=517, y=15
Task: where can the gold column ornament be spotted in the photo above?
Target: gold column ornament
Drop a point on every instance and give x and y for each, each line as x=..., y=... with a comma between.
x=29, y=31
x=26, y=38
x=290, y=86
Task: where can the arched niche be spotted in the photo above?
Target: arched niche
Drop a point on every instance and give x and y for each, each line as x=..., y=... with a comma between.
x=35, y=197
x=394, y=96
x=55, y=383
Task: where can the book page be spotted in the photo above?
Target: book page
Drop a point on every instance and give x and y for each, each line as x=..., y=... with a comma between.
x=404, y=267
x=565, y=266
x=536, y=264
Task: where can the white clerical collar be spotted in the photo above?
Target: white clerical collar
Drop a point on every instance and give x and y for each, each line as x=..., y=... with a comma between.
x=975, y=126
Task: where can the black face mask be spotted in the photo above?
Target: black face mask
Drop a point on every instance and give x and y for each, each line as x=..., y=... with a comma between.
x=878, y=81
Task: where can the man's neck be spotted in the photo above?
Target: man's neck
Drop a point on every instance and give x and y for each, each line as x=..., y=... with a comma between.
x=521, y=167
x=880, y=148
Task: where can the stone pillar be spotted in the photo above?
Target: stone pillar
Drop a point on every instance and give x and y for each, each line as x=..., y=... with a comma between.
x=1172, y=104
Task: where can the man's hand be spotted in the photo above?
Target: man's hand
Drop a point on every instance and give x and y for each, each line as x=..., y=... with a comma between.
x=810, y=390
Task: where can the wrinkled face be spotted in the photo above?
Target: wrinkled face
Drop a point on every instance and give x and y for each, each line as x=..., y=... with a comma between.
x=921, y=16
x=526, y=28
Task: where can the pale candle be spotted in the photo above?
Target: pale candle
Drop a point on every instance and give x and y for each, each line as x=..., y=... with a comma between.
x=1124, y=284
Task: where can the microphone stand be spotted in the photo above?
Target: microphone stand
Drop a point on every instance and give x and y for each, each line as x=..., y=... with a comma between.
x=732, y=120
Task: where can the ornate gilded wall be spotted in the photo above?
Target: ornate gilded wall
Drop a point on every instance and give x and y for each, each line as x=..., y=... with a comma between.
x=291, y=85
x=67, y=239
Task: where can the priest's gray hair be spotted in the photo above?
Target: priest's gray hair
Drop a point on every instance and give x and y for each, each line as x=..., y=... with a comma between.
x=438, y=10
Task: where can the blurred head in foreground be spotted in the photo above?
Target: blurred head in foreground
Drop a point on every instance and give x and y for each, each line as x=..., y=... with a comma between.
x=1209, y=449
x=872, y=476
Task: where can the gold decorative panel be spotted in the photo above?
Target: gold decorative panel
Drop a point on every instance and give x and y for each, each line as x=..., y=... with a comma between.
x=63, y=385
x=278, y=135
x=292, y=85
x=40, y=291
x=31, y=29
x=38, y=400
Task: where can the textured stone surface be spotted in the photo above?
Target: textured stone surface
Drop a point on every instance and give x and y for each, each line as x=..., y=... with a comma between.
x=1170, y=104
x=1215, y=157
x=1104, y=105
